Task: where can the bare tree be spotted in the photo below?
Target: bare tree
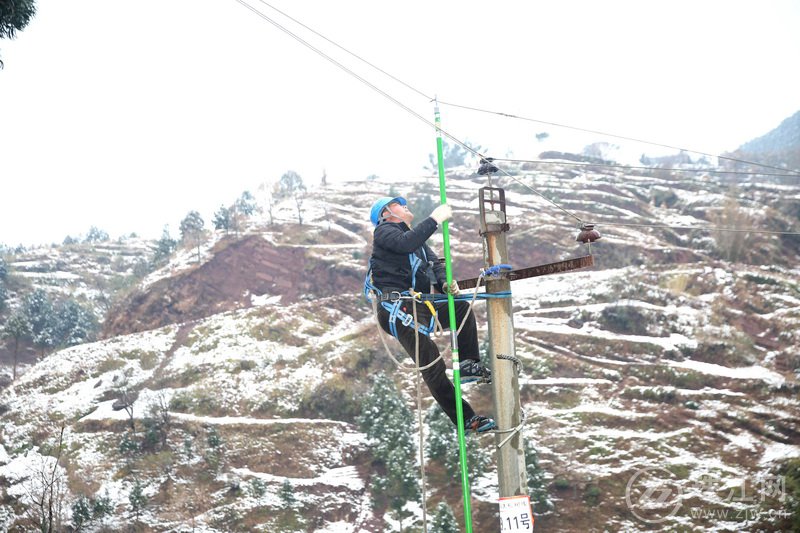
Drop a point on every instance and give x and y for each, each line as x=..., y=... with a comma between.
x=291, y=185
x=158, y=421
x=125, y=400
x=46, y=488
x=269, y=190
x=733, y=245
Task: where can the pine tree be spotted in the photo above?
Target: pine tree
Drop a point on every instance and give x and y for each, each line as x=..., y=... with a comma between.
x=81, y=512
x=3, y=290
x=214, y=452
x=286, y=494
x=16, y=327
x=246, y=204
x=444, y=521
x=257, y=487
x=164, y=248
x=385, y=419
x=442, y=445
x=14, y=16
x=537, y=485
x=39, y=312
x=137, y=499
x=96, y=235
x=222, y=219
x=192, y=231
x=74, y=324
x=102, y=506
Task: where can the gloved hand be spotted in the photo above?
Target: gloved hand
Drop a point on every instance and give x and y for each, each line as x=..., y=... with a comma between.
x=442, y=213
x=454, y=290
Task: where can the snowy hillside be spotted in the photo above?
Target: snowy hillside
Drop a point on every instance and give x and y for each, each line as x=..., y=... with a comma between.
x=226, y=393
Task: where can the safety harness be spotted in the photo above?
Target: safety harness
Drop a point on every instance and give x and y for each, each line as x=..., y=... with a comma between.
x=393, y=302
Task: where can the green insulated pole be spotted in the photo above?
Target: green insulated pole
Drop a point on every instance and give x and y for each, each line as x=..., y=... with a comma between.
x=451, y=309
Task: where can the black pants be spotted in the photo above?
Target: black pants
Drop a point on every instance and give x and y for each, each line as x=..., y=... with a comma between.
x=436, y=376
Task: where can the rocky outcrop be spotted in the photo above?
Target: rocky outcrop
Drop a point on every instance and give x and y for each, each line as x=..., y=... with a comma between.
x=237, y=270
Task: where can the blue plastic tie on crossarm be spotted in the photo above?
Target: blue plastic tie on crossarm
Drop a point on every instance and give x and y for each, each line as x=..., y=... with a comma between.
x=495, y=269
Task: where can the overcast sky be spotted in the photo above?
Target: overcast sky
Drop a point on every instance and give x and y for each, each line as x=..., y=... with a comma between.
x=126, y=115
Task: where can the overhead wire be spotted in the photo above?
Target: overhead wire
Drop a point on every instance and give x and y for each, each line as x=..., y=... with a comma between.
x=698, y=228
x=336, y=63
x=337, y=45
x=393, y=99
x=623, y=137
x=450, y=136
x=508, y=115
x=637, y=167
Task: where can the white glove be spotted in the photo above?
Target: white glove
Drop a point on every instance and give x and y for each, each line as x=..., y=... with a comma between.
x=454, y=290
x=442, y=213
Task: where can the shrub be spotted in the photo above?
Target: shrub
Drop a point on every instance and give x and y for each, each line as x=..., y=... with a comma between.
x=592, y=495
x=334, y=399
x=624, y=319
x=561, y=484
x=257, y=487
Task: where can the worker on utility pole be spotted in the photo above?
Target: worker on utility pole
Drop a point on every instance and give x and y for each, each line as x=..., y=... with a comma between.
x=402, y=263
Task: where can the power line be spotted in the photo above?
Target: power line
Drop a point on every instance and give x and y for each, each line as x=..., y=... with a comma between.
x=335, y=62
x=432, y=124
x=337, y=45
x=534, y=191
x=508, y=115
x=606, y=134
x=634, y=167
x=395, y=101
x=360, y=78
x=697, y=228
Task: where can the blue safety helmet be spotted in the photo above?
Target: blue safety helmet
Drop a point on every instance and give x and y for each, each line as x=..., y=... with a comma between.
x=380, y=204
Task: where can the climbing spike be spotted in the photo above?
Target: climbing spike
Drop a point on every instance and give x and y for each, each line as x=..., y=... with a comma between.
x=587, y=234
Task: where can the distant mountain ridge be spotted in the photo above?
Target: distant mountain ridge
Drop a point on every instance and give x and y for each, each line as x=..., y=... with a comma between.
x=226, y=392
x=781, y=146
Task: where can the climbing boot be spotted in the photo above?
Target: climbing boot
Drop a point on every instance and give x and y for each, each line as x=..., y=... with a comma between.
x=472, y=371
x=479, y=424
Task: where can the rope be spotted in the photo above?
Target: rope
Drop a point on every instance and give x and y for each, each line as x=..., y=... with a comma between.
x=471, y=303
x=383, y=335
x=421, y=433
x=512, y=431
x=419, y=422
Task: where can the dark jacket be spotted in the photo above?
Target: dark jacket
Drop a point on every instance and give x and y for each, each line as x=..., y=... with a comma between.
x=391, y=267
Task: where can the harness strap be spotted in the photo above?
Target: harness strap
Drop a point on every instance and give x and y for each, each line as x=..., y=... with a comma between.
x=393, y=304
x=395, y=313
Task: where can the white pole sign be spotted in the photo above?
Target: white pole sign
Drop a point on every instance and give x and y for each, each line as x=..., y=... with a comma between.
x=516, y=514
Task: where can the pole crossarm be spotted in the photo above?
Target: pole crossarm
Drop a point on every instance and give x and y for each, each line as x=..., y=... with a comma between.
x=534, y=271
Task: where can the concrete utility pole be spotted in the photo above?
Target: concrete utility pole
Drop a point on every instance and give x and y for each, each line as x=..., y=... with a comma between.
x=513, y=479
